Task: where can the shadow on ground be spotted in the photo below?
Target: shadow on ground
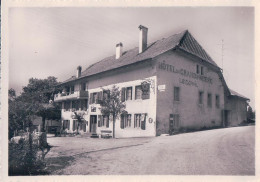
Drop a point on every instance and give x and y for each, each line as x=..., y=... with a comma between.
x=57, y=163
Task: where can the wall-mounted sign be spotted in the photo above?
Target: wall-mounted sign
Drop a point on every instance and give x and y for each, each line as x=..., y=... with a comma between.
x=161, y=88
x=150, y=120
x=188, y=82
x=183, y=72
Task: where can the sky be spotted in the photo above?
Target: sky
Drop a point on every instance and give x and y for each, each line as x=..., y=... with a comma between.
x=54, y=41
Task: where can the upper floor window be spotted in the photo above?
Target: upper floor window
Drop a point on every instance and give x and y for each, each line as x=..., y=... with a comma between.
x=106, y=94
x=84, y=105
x=209, y=100
x=83, y=86
x=72, y=89
x=200, y=97
x=75, y=105
x=202, y=70
x=138, y=92
x=67, y=105
x=176, y=93
x=217, y=101
x=198, y=69
x=129, y=93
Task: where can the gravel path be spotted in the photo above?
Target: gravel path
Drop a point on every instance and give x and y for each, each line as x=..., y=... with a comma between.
x=227, y=151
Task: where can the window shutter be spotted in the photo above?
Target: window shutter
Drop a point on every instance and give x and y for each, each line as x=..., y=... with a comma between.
x=122, y=122
x=99, y=120
x=107, y=124
x=123, y=94
x=100, y=97
x=91, y=98
x=143, y=123
x=73, y=126
x=68, y=124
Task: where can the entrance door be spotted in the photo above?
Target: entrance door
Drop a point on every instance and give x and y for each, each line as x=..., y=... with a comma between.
x=93, y=123
x=226, y=114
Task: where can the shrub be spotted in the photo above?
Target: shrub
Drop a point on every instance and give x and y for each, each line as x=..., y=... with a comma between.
x=25, y=159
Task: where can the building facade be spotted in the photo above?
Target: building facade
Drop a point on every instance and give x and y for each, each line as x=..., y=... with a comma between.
x=168, y=85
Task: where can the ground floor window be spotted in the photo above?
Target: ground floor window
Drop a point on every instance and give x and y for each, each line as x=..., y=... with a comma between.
x=125, y=121
x=140, y=121
x=106, y=121
x=66, y=124
x=103, y=120
x=174, y=120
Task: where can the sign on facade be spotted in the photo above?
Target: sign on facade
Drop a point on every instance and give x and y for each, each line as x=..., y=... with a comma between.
x=161, y=88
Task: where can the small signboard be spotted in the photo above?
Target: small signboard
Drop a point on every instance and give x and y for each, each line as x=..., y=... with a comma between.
x=161, y=88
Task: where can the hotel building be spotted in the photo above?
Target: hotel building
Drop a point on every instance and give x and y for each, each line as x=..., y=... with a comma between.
x=167, y=85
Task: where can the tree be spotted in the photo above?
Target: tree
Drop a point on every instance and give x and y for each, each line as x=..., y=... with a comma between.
x=112, y=105
x=79, y=117
x=250, y=113
x=37, y=95
x=34, y=100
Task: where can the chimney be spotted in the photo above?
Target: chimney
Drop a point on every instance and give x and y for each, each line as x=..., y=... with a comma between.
x=78, y=71
x=142, y=38
x=119, y=50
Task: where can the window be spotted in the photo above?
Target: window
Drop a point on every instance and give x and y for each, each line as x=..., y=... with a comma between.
x=84, y=105
x=140, y=121
x=198, y=69
x=137, y=122
x=67, y=105
x=75, y=105
x=66, y=124
x=129, y=93
x=123, y=94
x=125, y=121
x=176, y=94
x=72, y=89
x=83, y=86
x=95, y=98
x=217, y=101
x=106, y=121
x=200, y=97
x=201, y=70
x=138, y=92
x=209, y=100
x=106, y=94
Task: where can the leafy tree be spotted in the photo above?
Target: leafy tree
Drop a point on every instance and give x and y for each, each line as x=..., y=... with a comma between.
x=112, y=105
x=79, y=117
x=250, y=113
x=37, y=95
x=34, y=100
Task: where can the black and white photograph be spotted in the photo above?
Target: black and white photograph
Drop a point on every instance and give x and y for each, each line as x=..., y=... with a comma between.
x=167, y=90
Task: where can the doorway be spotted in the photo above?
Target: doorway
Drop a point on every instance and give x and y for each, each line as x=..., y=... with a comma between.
x=93, y=124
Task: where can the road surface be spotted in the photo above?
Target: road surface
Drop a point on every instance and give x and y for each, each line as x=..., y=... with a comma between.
x=228, y=151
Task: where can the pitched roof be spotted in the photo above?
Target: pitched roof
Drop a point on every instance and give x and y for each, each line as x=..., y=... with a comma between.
x=233, y=93
x=183, y=40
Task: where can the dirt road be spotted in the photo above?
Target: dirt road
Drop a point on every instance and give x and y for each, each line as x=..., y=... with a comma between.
x=227, y=151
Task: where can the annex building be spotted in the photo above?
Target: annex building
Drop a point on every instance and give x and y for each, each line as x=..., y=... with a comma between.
x=167, y=85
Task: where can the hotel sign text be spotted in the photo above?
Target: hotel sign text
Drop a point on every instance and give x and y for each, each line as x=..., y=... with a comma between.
x=183, y=72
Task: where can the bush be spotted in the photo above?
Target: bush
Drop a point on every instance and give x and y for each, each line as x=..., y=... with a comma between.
x=23, y=160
